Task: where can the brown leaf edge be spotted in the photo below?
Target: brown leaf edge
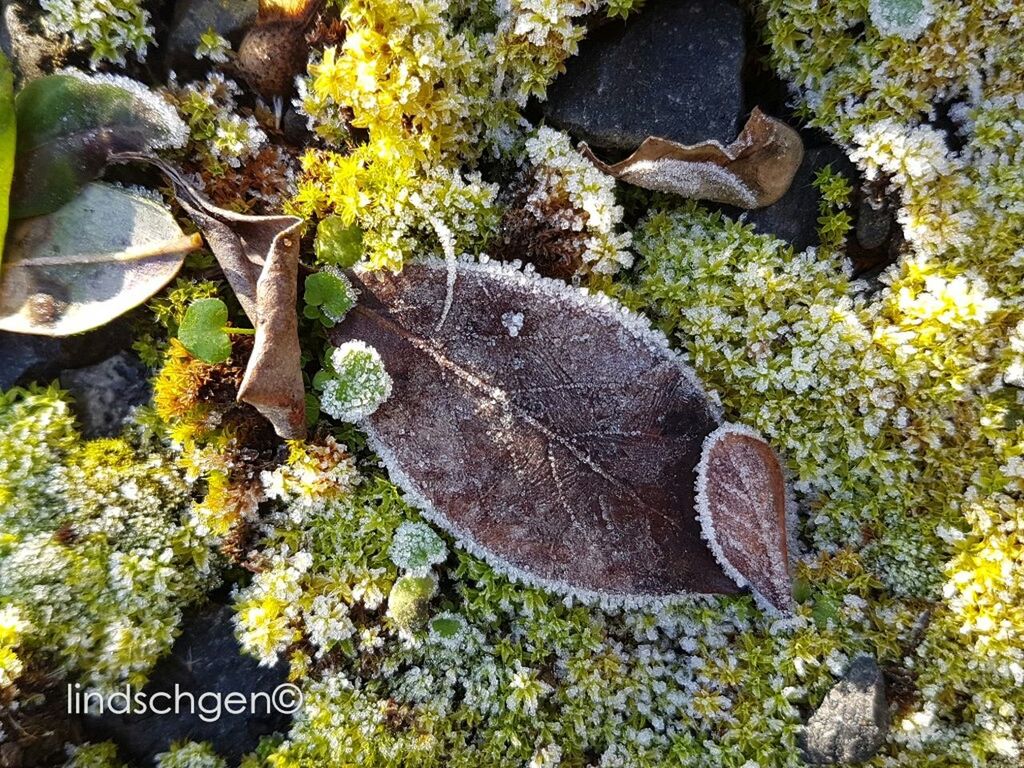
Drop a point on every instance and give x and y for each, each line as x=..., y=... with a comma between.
x=772, y=588
x=753, y=171
x=259, y=255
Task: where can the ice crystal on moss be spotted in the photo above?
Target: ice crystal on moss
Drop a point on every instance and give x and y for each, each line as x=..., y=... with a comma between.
x=416, y=548
x=356, y=383
x=97, y=542
x=190, y=754
x=905, y=18
x=109, y=28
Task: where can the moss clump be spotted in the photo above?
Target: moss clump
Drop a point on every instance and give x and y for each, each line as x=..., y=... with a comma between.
x=98, y=552
x=109, y=29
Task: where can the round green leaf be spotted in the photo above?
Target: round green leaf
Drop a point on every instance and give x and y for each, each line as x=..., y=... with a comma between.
x=202, y=330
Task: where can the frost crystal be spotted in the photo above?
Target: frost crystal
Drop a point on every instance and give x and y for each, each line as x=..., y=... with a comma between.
x=513, y=321
x=358, y=384
x=416, y=548
x=903, y=18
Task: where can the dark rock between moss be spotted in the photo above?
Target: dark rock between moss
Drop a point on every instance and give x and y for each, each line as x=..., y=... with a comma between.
x=852, y=721
x=25, y=359
x=105, y=394
x=673, y=70
x=193, y=17
x=205, y=658
x=794, y=218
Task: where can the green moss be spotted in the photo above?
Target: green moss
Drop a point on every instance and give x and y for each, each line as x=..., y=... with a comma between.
x=98, y=553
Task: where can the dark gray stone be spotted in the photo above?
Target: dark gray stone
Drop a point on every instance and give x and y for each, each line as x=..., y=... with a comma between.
x=30, y=52
x=794, y=218
x=875, y=220
x=852, y=721
x=673, y=70
x=206, y=657
x=105, y=394
x=193, y=17
x=25, y=358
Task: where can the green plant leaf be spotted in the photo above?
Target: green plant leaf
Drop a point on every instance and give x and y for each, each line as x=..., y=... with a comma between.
x=70, y=125
x=78, y=268
x=328, y=297
x=8, y=142
x=202, y=330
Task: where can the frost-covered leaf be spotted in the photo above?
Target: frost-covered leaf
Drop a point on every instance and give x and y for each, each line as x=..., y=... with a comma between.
x=563, y=451
x=202, y=330
x=416, y=548
x=78, y=268
x=742, y=502
x=903, y=18
x=354, y=383
x=69, y=124
x=752, y=172
x=8, y=142
x=259, y=255
x=328, y=297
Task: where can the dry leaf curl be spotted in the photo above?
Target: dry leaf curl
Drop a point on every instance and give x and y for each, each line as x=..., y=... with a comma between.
x=259, y=255
x=752, y=172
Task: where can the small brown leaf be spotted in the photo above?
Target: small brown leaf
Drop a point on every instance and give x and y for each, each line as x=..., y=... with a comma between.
x=554, y=433
x=752, y=172
x=273, y=378
x=742, y=502
x=259, y=255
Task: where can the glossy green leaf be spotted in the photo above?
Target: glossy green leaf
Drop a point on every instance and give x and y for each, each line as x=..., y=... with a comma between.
x=71, y=123
x=8, y=141
x=337, y=243
x=202, y=330
x=328, y=297
x=102, y=254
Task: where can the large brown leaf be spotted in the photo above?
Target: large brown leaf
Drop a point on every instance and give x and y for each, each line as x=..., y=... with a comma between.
x=752, y=172
x=742, y=501
x=553, y=433
x=259, y=255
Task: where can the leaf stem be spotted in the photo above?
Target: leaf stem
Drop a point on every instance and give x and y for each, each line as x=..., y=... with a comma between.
x=239, y=331
x=180, y=245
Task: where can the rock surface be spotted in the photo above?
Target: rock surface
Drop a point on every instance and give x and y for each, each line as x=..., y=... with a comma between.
x=105, y=394
x=794, y=218
x=193, y=17
x=205, y=658
x=673, y=70
x=852, y=721
x=24, y=358
x=30, y=51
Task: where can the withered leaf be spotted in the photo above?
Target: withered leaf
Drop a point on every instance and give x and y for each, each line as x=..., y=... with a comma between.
x=259, y=255
x=742, y=501
x=555, y=434
x=97, y=257
x=752, y=172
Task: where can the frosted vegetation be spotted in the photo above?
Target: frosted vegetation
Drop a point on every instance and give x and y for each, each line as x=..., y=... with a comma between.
x=895, y=407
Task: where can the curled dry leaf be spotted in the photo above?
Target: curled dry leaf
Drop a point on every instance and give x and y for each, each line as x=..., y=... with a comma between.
x=556, y=434
x=78, y=268
x=259, y=255
x=742, y=501
x=752, y=172
x=68, y=126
